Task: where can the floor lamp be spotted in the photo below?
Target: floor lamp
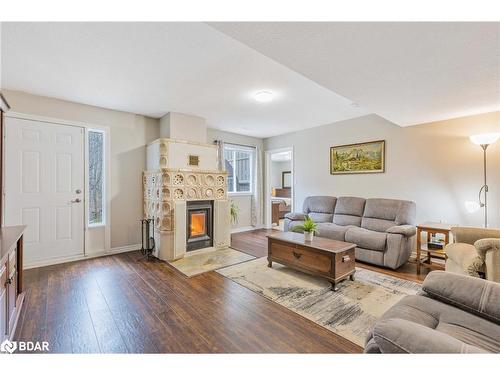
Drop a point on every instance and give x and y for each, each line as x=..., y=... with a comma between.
x=484, y=140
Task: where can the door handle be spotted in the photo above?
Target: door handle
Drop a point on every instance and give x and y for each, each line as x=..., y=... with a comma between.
x=76, y=200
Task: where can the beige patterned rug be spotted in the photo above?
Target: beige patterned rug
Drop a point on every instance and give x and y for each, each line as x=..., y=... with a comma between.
x=205, y=260
x=350, y=312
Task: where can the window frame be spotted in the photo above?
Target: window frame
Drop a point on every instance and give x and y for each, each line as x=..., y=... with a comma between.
x=104, y=216
x=241, y=148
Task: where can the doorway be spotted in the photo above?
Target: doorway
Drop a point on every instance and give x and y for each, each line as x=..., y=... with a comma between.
x=279, y=186
x=45, y=187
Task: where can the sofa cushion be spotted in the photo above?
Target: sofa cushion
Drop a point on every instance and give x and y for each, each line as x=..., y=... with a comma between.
x=427, y=312
x=332, y=231
x=478, y=296
x=370, y=256
x=381, y=214
x=295, y=216
x=402, y=336
x=399, y=211
x=289, y=225
x=378, y=225
x=366, y=239
x=348, y=211
x=341, y=219
x=320, y=204
x=319, y=217
x=470, y=234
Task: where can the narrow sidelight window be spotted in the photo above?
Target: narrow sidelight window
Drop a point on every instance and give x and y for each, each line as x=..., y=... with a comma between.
x=96, y=190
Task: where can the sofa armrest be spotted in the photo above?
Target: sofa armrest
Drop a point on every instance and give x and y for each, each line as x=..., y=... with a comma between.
x=477, y=296
x=405, y=230
x=487, y=244
x=403, y=336
x=471, y=235
x=295, y=216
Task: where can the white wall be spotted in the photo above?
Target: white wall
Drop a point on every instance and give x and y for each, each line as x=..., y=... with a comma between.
x=129, y=134
x=185, y=127
x=277, y=168
x=433, y=164
x=242, y=201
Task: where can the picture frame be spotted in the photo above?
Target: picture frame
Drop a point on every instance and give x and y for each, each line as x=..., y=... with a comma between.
x=358, y=158
x=286, y=180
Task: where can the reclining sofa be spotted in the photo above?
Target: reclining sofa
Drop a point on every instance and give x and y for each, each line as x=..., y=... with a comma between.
x=382, y=229
x=454, y=314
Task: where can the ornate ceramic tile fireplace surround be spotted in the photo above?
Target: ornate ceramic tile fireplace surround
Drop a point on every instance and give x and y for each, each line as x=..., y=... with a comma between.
x=181, y=175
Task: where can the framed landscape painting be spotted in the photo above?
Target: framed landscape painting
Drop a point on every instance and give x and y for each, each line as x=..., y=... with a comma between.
x=368, y=157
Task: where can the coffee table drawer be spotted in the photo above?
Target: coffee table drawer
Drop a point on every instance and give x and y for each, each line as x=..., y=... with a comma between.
x=301, y=256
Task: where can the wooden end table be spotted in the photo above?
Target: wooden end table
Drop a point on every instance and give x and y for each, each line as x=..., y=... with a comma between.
x=330, y=259
x=431, y=228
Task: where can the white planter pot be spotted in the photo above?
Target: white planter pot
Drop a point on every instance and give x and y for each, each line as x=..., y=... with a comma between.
x=308, y=236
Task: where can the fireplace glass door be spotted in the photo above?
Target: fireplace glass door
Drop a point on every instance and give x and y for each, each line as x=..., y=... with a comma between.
x=199, y=225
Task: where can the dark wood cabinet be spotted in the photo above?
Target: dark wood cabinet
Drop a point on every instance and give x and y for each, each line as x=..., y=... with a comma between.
x=11, y=256
x=275, y=213
x=3, y=302
x=11, y=293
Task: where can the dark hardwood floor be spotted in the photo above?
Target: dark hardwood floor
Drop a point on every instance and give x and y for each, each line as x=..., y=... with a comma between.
x=122, y=304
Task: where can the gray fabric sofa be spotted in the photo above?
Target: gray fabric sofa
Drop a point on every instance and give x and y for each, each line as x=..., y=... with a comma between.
x=455, y=314
x=382, y=229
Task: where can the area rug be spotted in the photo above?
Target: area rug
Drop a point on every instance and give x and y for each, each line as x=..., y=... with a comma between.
x=350, y=312
x=208, y=260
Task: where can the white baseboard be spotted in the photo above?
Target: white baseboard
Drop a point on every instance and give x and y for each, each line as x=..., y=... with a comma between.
x=245, y=229
x=95, y=254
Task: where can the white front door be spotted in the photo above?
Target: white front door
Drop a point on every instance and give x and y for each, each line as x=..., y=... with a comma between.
x=44, y=187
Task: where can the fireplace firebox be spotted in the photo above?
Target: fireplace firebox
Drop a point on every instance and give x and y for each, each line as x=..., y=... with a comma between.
x=199, y=225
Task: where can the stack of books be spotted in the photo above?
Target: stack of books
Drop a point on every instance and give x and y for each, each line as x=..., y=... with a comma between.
x=436, y=243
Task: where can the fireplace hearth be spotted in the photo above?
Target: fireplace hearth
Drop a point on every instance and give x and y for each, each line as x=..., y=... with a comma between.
x=199, y=225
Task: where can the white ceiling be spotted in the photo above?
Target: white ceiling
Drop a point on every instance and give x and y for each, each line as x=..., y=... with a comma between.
x=409, y=73
x=154, y=68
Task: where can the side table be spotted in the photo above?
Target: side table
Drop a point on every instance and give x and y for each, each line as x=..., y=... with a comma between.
x=431, y=228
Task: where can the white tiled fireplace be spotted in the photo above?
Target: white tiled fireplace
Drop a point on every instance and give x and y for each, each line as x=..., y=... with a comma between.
x=182, y=173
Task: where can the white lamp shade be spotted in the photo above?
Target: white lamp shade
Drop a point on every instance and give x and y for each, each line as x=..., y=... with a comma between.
x=484, y=139
x=472, y=206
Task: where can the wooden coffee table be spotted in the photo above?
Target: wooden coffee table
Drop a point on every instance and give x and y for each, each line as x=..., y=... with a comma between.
x=330, y=259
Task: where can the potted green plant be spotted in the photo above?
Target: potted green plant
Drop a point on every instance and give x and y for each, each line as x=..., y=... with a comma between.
x=308, y=228
x=234, y=211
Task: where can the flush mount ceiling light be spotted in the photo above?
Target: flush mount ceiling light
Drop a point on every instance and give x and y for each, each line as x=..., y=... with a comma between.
x=263, y=96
